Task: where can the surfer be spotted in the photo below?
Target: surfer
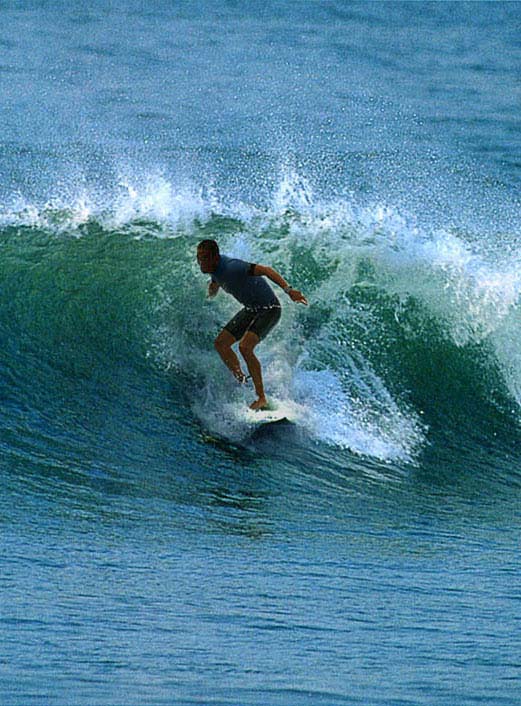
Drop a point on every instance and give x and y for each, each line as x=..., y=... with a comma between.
x=261, y=309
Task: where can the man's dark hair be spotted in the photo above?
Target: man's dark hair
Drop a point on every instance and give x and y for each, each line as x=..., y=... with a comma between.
x=210, y=246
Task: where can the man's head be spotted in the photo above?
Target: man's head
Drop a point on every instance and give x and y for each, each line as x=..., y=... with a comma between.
x=208, y=256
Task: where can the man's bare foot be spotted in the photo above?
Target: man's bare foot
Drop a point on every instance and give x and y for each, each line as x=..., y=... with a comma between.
x=241, y=377
x=261, y=403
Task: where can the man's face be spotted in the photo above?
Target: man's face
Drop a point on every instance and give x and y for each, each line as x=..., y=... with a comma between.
x=207, y=260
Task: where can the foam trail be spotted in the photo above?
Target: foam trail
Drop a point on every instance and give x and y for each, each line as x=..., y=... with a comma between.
x=332, y=418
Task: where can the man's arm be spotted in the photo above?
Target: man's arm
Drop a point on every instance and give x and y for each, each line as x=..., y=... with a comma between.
x=270, y=273
x=213, y=288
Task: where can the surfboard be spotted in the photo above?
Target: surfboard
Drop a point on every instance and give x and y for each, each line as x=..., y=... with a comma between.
x=247, y=424
x=262, y=426
x=275, y=415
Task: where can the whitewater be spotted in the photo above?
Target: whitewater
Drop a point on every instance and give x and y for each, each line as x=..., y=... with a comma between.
x=158, y=549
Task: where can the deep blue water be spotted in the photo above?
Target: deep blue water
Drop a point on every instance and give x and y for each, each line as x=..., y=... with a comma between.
x=158, y=549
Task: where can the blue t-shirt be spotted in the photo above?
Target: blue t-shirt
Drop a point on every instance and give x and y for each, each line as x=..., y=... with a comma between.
x=235, y=277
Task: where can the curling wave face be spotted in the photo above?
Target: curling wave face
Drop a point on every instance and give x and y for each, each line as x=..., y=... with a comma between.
x=410, y=336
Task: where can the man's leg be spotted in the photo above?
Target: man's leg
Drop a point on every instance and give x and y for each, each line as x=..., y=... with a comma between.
x=223, y=345
x=246, y=347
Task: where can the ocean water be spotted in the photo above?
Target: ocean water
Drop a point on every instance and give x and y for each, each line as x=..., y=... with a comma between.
x=155, y=547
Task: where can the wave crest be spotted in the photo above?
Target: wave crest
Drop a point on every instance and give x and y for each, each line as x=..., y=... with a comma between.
x=388, y=297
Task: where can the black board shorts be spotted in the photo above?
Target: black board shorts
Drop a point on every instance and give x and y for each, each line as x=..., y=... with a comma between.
x=260, y=321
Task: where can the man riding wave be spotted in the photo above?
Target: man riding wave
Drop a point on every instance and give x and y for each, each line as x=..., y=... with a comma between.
x=260, y=313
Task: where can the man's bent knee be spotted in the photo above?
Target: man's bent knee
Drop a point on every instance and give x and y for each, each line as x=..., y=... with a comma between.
x=224, y=341
x=247, y=345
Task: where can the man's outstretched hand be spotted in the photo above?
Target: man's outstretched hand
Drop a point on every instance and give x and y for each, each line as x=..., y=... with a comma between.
x=297, y=296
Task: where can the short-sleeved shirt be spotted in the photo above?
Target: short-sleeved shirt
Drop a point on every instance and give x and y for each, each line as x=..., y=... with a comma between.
x=236, y=277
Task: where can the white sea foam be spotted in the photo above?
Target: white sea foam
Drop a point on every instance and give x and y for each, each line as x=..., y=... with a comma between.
x=369, y=424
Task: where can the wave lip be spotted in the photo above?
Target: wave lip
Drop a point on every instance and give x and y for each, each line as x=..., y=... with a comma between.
x=151, y=200
x=386, y=295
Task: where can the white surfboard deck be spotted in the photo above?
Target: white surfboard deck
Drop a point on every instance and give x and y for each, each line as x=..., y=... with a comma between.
x=279, y=411
x=238, y=422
